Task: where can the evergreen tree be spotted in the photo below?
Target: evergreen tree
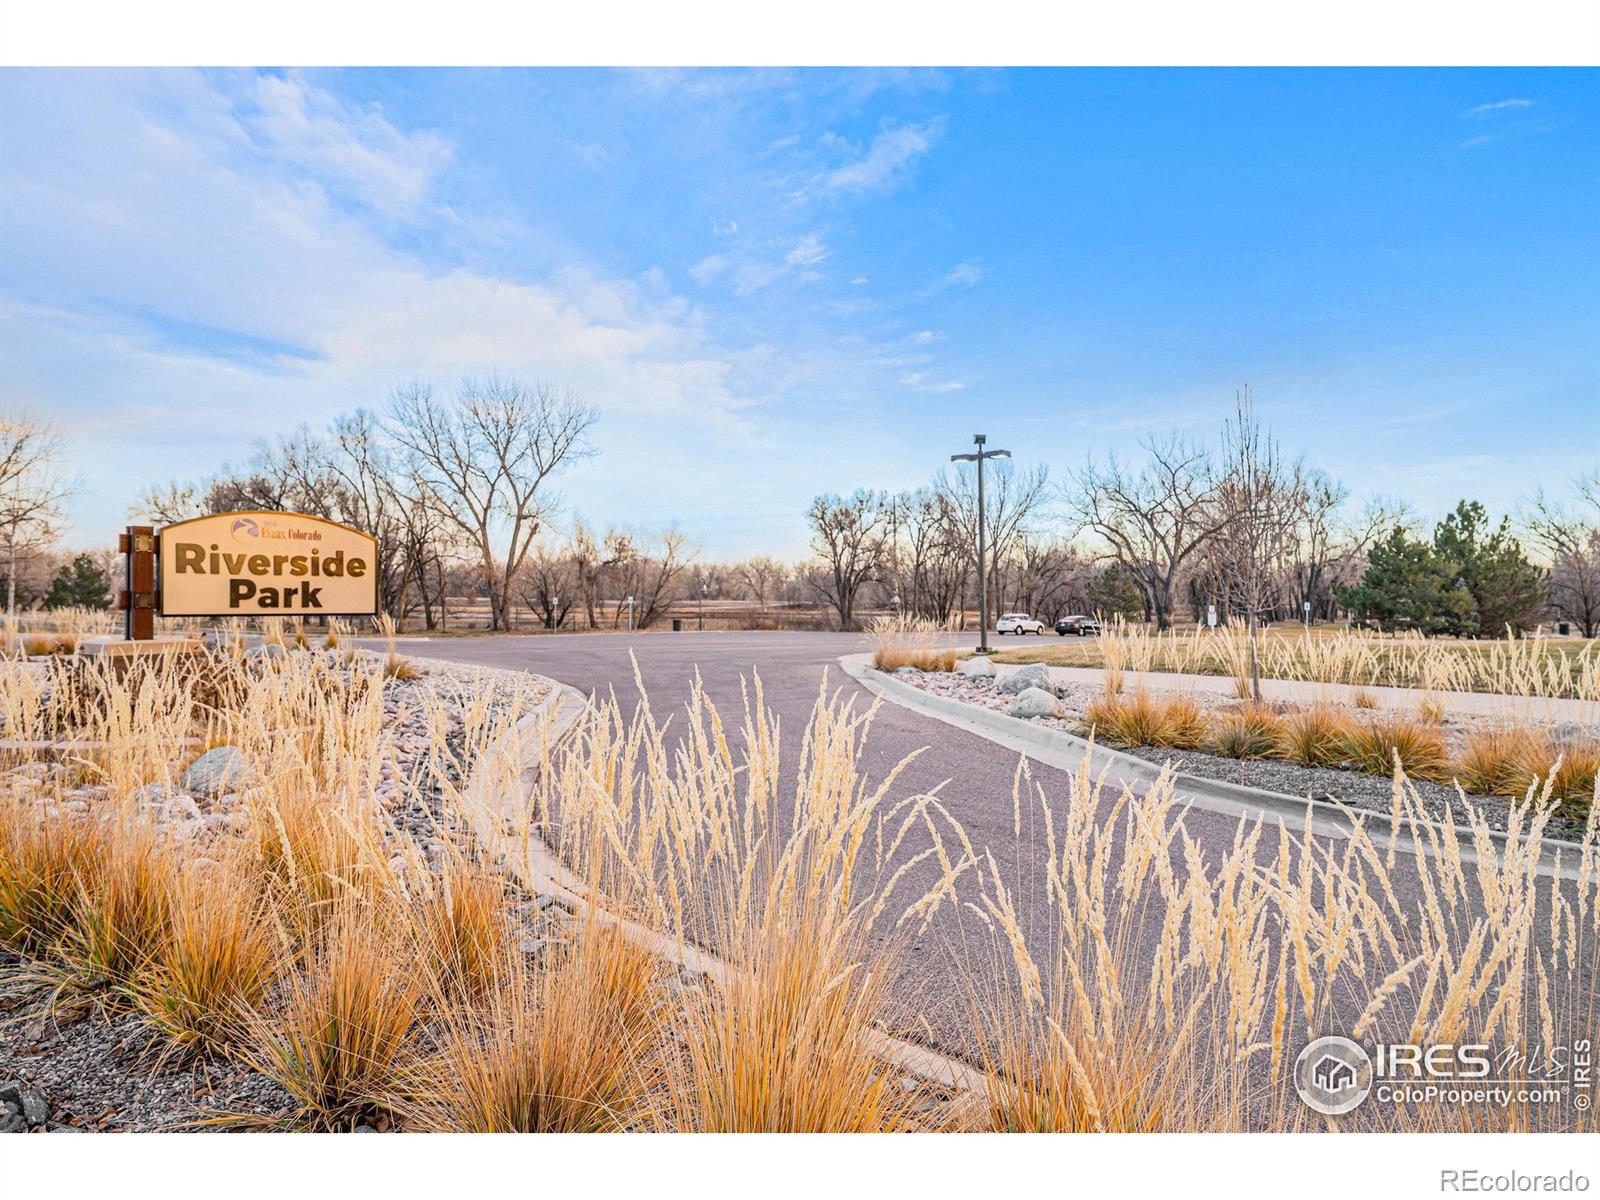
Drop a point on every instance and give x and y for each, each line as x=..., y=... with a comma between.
x=80, y=583
x=1507, y=589
x=1113, y=592
x=1408, y=585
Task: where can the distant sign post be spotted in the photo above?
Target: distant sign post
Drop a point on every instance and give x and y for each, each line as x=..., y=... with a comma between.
x=272, y=564
x=1211, y=616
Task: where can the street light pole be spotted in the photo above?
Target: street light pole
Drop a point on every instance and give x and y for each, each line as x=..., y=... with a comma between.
x=978, y=456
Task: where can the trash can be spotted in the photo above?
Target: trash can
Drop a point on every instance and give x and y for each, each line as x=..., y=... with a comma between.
x=677, y=624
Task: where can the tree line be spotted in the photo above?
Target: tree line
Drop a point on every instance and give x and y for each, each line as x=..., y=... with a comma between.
x=460, y=490
x=1189, y=527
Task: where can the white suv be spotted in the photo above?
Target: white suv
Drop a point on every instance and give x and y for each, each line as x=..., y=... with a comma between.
x=1018, y=623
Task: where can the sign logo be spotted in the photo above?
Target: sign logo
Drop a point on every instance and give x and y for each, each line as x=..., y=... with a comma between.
x=1333, y=1075
x=246, y=527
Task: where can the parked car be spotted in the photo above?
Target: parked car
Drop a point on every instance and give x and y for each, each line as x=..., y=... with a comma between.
x=1019, y=624
x=1082, y=626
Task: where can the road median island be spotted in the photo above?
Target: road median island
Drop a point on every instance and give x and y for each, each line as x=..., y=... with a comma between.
x=1066, y=751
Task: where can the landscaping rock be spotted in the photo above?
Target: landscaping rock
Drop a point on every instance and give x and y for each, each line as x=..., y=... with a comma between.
x=35, y=1110
x=908, y=670
x=977, y=667
x=267, y=650
x=1034, y=675
x=1034, y=702
x=13, y=1124
x=217, y=771
x=170, y=808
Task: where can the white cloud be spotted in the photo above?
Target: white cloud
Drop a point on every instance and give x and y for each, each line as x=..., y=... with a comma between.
x=887, y=160
x=858, y=281
x=919, y=381
x=808, y=252
x=355, y=150
x=964, y=275
x=709, y=268
x=1498, y=106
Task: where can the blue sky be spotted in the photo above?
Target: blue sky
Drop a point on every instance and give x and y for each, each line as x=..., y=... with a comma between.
x=778, y=283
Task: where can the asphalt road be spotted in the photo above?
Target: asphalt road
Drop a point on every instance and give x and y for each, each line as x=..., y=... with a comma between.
x=974, y=776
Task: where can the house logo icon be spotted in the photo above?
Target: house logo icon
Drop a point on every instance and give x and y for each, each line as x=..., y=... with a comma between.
x=1333, y=1075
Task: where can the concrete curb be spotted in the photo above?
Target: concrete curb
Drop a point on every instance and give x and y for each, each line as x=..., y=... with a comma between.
x=497, y=788
x=1065, y=751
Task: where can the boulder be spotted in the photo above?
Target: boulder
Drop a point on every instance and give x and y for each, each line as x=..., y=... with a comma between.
x=1034, y=675
x=977, y=667
x=1034, y=702
x=216, y=772
x=267, y=650
x=908, y=671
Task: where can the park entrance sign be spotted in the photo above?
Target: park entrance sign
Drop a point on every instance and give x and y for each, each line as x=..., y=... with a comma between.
x=248, y=564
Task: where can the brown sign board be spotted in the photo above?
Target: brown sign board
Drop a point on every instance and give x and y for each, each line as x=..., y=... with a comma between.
x=253, y=564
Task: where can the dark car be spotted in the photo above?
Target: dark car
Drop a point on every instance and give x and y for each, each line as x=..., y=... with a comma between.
x=1082, y=626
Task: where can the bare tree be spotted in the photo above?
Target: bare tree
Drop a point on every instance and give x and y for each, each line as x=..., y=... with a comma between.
x=1013, y=496
x=648, y=567
x=167, y=505
x=1570, y=535
x=848, y=536
x=1153, y=519
x=32, y=490
x=485, y=460
x=549, y=584
x=1259, y=501
x=1316, y=544
x=759, y=576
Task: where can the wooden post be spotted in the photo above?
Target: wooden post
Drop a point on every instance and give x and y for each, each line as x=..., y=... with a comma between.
x=139, y=594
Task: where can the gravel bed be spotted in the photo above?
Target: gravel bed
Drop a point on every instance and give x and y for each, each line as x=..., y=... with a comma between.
x=1371, y=792
x=95, y=1071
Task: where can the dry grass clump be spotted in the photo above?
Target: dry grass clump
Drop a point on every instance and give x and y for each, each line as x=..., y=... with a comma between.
x=1490, y=761
x=394, y=666
x=220, y=952
x=42, y=860
x=571, y=1045
x=1146, y=997
x=1087, y=1035
x=337, y=1030
x=792, y=1037
x=120, y=913
x=905, y=640
x=1314, y=737
x=1378, y=747
x=313, y=854
x=463, y=934
x=1170, y=724
x=1253, y=731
